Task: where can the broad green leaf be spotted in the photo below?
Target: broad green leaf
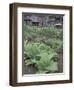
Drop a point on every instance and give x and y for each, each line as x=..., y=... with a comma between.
x=53, y=66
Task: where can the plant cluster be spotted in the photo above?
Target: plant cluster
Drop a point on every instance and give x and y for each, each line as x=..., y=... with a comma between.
x=42, y=46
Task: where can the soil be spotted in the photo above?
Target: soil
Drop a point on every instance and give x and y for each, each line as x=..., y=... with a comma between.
x=60, y=63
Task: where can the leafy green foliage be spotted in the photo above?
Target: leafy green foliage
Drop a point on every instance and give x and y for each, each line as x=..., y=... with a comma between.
x=42, y=46
x=41, y=56
x=46, y=63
